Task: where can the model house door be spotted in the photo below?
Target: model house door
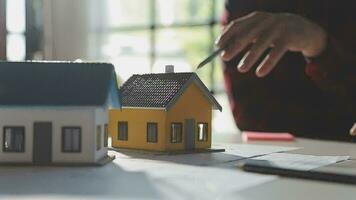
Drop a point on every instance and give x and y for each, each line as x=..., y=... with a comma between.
x=189, y=134
x=42, y=143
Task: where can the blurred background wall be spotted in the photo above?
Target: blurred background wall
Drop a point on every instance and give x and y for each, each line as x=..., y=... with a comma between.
x=66, y=28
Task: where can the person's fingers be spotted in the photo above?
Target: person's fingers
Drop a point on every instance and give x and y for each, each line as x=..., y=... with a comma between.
x=244, y=37
x=235, y=47
x=270, y=61
x=258, y=48
x=353, y=130
x=232, y=27
x=240, y=26
x=226, y=33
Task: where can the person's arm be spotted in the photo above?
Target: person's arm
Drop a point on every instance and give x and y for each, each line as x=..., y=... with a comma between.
x=334, y=71
x=353, y=130
x=279, y=32
x=332, y=67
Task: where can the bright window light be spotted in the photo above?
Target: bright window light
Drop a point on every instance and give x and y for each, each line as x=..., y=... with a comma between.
x=142, y=36
x=15, y=47
x=16, y=28
x=15, y=16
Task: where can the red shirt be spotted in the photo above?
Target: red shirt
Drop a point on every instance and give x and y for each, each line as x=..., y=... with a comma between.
x=307, y=98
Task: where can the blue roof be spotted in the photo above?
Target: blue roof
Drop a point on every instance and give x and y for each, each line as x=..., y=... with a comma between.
x=57, y=84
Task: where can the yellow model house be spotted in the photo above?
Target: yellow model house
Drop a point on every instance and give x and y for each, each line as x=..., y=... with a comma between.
x=163, y=112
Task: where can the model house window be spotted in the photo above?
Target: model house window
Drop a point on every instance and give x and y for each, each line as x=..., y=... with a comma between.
x=71, y=139
x=122, y=131
x=152, y=132
x=202, y=131
x=14, y=139
x=106, y=135
x=98, y=137
x=176, y=132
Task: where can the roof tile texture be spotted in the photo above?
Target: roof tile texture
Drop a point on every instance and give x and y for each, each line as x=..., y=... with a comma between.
x=152, y=90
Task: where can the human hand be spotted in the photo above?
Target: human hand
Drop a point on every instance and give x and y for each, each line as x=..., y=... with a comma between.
x=353, y=130
x=281, y=32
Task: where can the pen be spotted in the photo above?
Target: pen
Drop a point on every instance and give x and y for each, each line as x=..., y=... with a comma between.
x=292, y=173
x=211, y=57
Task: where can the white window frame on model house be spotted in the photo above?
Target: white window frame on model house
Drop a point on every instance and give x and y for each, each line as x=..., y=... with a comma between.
x=98, y=137
x=152, y=132
x=123, y=130
x=10, y=136
x=176, y=132
x=106, y=135
x=71, y=139
x=202, y=131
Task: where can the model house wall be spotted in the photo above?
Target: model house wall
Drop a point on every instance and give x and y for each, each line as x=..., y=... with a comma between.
x=101, y=120
x=137, y=127
x=55, y=112
x=192, y=104
x=59, y=117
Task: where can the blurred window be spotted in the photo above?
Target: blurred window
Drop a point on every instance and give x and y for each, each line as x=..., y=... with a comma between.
x=15, y=30
x=145, y=35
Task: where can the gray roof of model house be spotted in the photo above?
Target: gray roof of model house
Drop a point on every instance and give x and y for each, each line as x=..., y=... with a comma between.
x=56, y=83
x=160, y=90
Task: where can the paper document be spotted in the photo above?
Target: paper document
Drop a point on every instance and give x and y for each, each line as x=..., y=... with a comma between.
x=250, y=150
x=173, y=180
x=299, y=161
x=233, y=152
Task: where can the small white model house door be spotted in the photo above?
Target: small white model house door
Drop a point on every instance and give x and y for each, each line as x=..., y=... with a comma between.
x=42, y=143
x=189, y=134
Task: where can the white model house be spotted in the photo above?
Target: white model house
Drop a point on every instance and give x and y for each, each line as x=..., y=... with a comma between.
x=55, y=112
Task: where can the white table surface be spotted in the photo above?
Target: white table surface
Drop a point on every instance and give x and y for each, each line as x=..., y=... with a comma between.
x=287, y=188
x=143, y=176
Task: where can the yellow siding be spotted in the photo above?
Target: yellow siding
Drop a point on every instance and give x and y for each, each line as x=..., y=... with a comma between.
x=137, y=124
x=192, y=104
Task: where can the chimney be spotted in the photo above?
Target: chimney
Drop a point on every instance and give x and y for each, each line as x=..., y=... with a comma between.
x=169, y=68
